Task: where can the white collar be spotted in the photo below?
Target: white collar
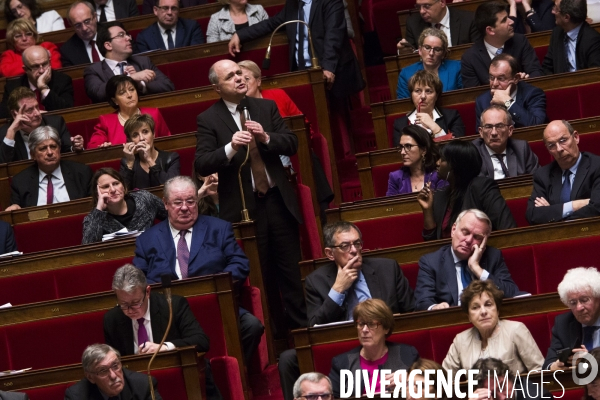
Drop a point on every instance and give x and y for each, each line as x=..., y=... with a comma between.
x=232, y=107
x=445, y=22
x=175, y=232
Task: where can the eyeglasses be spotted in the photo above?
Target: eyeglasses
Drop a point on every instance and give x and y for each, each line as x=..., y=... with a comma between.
x=500, y=79
x=121, y=35
x=19, y=36
x=488, y=128
x=133, y=306
x=370, y=325
x=345, y=247
x=80, y=25
x=425, y=6
x=322, y=396
x=582, y=300
x=37, y=67
x=167, y=8
x=407, y=147
x=179, y=203
x=436, y=50
x=103, y=373
x=561, y=142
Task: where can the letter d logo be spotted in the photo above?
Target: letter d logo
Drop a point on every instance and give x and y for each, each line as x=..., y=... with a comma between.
x=588, y=366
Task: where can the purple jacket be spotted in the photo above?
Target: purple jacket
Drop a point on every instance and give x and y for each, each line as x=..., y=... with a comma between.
x=399, y=182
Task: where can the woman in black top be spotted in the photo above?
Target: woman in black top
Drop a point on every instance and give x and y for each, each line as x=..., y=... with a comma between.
x=117, y=209
x=144, y=165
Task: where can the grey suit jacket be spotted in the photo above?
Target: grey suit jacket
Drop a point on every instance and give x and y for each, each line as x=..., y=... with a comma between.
x=13, y=396
x=97, y=74
x=520, y=159
x=462, y=28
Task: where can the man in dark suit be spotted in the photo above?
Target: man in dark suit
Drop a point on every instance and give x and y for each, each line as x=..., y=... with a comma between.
x=568, y=187
x=81, y=48
x=525, y=103
x=502, y=156
x=170, y=31
x=574, y=44
x=330, y=38
x=445, y=273
x=456, y=24
x=578, y=328
x=53, y=89
x=270, y=198
x=498, y=37
x=49, y=180
x=7, y=238
x=139, y=321
x=112, y=10
x=13, y=396
x=26, y=117
x=105, y=378
x=115, y=45
x=212, y=249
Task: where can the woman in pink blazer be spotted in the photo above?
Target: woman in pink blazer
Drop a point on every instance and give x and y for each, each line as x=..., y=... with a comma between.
x=123, y=96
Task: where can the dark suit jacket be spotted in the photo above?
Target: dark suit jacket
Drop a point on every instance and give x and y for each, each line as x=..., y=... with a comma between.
x=213, y=250
x=97, y=74
x=25, y=186
x=462, y=29
x=327, y=24
x=520, y=159
x=528, y=109
x=483, y=194
x=125, y=9
x=565, y=332
x=7, y=238
x=13, y=396
x=19, y=151
x=59, y=97
x=450, y=121
x=587, y=50
x=437, y=282
x=400, y=356
x=547, y=183
x=185, y=329
x=215, y=129
x=135, y=388
x=476, y=60
x=384, y=279
x=73, y=52
x=148, y=6
x=187, y=33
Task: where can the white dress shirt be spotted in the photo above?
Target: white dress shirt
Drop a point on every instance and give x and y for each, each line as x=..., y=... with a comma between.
x=491, y=49
x=413, y=116
x=109, y=10
x=58, y=185
x=445, y=26
x=498, y=173
x=148, y=326
x=24, y=136
x=88, y=49
x=188, y=240
x=163, y=34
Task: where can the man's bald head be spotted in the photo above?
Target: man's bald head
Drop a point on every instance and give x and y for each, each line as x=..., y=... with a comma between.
x=226, y=77
x=36, y=61
x=562, y=142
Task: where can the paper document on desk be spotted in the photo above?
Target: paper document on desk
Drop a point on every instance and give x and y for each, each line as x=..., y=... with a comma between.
x=12, y=253
x=123, y=233
x=14, y=371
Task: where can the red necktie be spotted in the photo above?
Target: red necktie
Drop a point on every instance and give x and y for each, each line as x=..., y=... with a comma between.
x=183, y=254
x=38, y=97
x=438, y=26
x=95, y=56
x=49, y=190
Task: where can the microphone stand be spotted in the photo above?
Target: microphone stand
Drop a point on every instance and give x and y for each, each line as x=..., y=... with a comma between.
x=245, y=214
x=313, y=58
x=166, y=284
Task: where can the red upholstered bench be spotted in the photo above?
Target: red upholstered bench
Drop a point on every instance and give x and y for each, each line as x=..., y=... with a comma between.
x=392, y=231
x=40, y=287
x=540, y=52
x=518, y=208
x=69, y=232
x=411, y=271
x=85, y=279
x=309, y=232
x=521, y=264
x=381, y=176
x=54, y=392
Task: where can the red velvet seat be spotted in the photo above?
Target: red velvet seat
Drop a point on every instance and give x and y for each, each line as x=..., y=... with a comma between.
x=392, y=231
x=12, y=289
x=468, y=116
x=411, y=271
x=85, y=279
x=69, y=233
x=381, y=176
x=186, y=160
x=386, y=19
x=521, y=264
x=518, y=208
x=537, y=325
x=170, y=383
x=309, y=232
x=562, y=104
x=55, y=392
x=442, y=338
x=540, y=52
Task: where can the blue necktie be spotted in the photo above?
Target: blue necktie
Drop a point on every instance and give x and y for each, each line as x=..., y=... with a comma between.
x=465, y=274
x=499, y=51
x=565, y=192
x=122, y=67
x=588, y=336
x=170, y=39
x=352, y=301
x=301, y=37
x=570, y=66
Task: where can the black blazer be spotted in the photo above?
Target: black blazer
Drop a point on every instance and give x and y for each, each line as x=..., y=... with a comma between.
x=437, y=282
x=327, y=24
x=185, y=329
x=7, y=238
x=384, y=279
x=19, y=151
x=25, y=186
x=450, y=121
x=483, y=194
x=124, y=9
x=565, y=332
x=73, y=52
x=187, y=33
x=400, y=356
x=547, y=183
x=166, y=167
x=135, y=388
x=462, y=28
x=13, y=396
x=97, y=74
x=59, y=97
x=476, y=60
x=587, y=50
x=215, y=129
x=520, y=158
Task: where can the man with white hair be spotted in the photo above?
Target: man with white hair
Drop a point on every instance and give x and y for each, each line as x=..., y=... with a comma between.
x=313, y=386
x=576, y=329
x=445, y=273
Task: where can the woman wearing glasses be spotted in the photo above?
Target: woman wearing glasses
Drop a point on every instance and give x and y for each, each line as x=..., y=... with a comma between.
x=433, y=49
x=420, y=157
x=116, y=209
x=48, y=21
x=440, y=123
x=20, y=35
x=374, y=323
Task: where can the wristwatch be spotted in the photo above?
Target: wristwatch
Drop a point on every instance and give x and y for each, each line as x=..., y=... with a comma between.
x=507, y=103
x=530, y=13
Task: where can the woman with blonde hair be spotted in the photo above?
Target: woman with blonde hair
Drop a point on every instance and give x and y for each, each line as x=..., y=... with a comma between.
x=235, y=15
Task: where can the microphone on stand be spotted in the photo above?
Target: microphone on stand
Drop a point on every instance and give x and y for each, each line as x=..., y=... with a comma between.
x=267, y=61
x=166, y=284
x=246, y=114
